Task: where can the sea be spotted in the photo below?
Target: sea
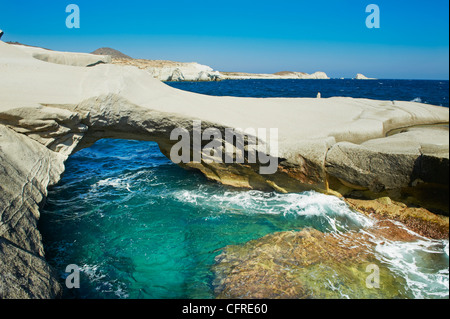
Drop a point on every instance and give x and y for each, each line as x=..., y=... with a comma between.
x=138, y=226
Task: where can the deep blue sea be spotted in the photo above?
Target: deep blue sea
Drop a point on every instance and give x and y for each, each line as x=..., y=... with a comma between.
x=425, y=91
x=139, y=226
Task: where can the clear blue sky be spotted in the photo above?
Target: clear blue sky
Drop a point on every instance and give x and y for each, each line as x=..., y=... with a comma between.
x=250, y=36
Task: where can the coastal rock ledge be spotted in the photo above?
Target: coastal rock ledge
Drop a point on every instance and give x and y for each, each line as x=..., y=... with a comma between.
x=54, y=104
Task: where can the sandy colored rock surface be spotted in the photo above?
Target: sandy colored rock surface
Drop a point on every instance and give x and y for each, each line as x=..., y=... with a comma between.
x=27, y=168
x=417, y=219
x=395, y=161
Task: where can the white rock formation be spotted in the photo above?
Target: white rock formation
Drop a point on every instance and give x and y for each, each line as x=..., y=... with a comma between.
x=360, y=76
x=180, y=71
x=173, y=71
x=49, y=110
x=275, y=76
x=316, y=76
x=185, y=72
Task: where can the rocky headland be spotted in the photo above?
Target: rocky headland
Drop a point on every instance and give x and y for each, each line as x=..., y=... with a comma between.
x=114, y=54
x=275, y=76
x=55, y=103
x=173, y=71
x=191, y=71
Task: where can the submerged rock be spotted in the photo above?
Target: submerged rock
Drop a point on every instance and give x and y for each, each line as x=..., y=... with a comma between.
x=305, y=264
x=313, y=264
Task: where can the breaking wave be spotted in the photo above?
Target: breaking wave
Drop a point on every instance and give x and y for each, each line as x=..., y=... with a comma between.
x=325, y=212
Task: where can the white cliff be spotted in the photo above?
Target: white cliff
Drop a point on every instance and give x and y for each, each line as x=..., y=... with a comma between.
x=275, y=76
x=173, y=71
x=360, y=76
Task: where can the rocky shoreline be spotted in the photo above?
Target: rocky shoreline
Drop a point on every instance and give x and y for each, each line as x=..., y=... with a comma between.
x=54, y=104
x=180, y=71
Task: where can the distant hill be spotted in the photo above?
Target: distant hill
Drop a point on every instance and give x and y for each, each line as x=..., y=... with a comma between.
x=113, y=53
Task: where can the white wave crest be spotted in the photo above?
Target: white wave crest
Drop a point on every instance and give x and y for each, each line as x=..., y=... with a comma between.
x=307, y=205
x=414, y=261
x=97, y=277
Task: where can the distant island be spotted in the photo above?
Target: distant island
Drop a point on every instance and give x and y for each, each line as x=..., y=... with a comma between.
x=360, y=76
x=191, y=71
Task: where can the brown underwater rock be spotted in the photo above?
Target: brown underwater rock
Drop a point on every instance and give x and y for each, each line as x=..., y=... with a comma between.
x=419, y=220
x=306, y=264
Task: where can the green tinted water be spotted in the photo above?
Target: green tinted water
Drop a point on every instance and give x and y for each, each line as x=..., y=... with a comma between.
x=139, y=226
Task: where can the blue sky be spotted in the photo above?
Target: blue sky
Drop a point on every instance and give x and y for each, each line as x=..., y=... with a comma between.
x=250, y=36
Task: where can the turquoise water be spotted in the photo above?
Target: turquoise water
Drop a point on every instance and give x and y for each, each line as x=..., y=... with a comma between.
x=139, y=226
x=142, y=227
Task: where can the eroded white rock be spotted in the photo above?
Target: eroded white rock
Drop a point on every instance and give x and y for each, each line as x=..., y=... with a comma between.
x=360, y=76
